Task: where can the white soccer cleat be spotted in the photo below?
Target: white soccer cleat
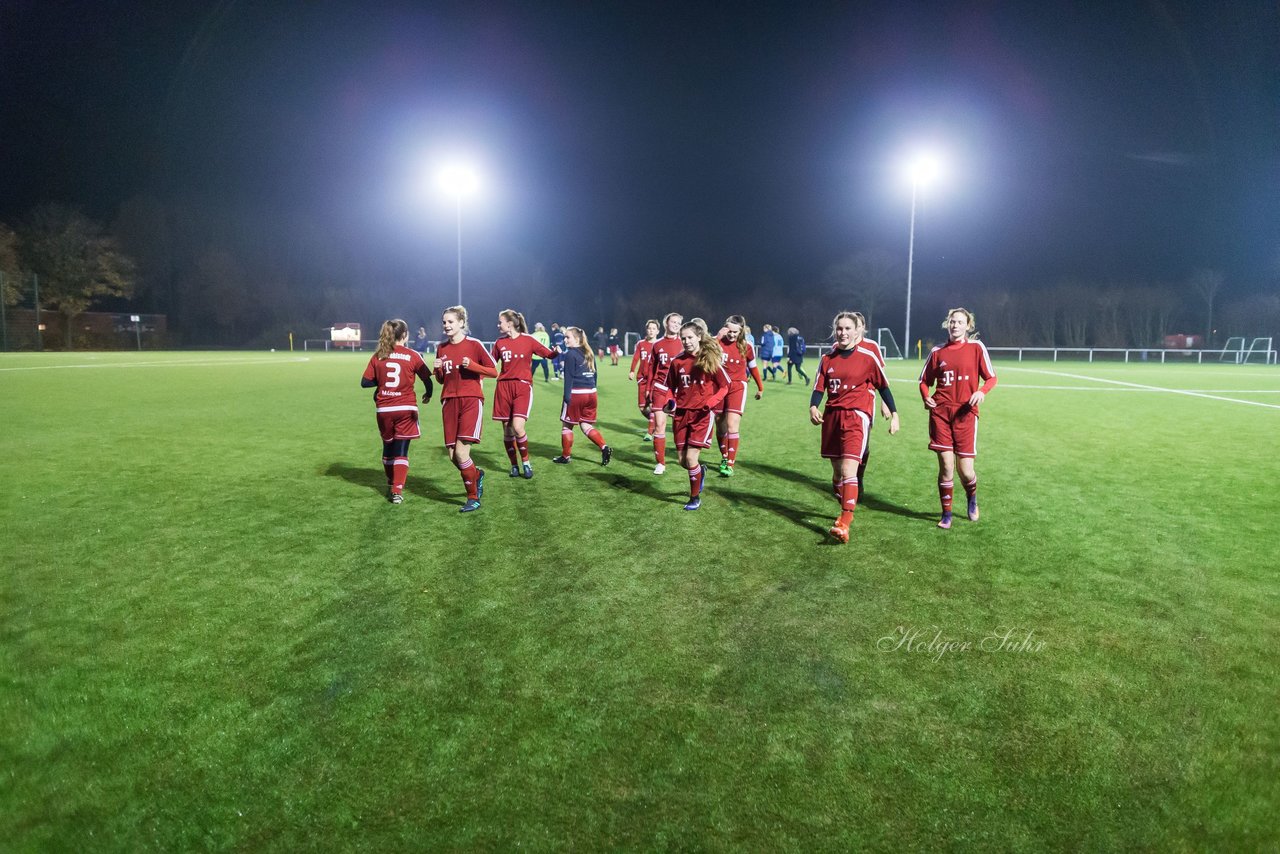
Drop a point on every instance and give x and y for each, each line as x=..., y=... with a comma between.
x=659, y=468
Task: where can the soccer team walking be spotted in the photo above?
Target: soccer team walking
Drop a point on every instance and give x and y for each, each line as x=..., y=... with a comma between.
x=687, y=379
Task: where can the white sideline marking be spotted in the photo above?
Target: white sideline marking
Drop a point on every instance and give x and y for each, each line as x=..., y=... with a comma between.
x=1142, y=387
x=169, y=364
x=1109, y=388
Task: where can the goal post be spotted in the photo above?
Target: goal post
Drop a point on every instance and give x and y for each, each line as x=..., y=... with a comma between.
x=1232, y=350
x=888, y=344
x=1260, y=350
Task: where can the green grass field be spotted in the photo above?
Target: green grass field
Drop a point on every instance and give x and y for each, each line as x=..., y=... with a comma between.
x=217, y=634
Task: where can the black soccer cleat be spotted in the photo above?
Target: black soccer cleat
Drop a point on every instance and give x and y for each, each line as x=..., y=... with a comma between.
x=606, y=454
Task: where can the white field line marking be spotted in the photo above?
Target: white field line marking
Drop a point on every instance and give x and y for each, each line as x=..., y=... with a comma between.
x=1148, y=389
x=1144, y=387
x=169, y=364
x=1112, y=388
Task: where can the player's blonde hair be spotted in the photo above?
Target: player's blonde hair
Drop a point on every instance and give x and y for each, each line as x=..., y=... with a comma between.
x=739, y=320
x=513, y=316
x=393, y=332
x=667, y=319
x=588, y=355
x=460, y=313
x=709, y=356
x=855, y=316
x=972, y=332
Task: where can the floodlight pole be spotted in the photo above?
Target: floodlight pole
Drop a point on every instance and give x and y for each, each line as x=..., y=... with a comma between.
x=4, y=323
x=911, y=252
x=35, y=279
x=458, y=197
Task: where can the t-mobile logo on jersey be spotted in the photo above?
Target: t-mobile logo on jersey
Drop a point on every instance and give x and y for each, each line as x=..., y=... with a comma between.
x=445, y=365
x=948, y=377
x=685, y=380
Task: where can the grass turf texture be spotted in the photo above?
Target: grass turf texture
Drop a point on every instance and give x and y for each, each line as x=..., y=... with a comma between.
x=218, y=634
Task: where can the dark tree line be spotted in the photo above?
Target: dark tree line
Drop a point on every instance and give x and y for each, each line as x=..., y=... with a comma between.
x=230, y=279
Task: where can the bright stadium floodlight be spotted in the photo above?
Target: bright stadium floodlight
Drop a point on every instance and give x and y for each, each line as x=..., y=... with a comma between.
x=924, y=168
x=460, y=181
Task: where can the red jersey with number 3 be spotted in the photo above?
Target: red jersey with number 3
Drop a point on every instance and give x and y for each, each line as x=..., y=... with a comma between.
x=394, y=376
x=457, y=381
x=958, y=369
x=850, y=377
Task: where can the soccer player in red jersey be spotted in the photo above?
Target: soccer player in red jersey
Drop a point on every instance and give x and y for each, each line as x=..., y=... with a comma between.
x=739, y=361
x=515, y=351
x=461, y=363
x=860, y=340
x=641, y=362
x=698, y=385
x=579, y=397
x=391, y=370
x=665, y=349
x=954, y=369
x=848, y=375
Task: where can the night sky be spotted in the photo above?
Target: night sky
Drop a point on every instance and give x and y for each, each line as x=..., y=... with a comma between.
x=709, y=145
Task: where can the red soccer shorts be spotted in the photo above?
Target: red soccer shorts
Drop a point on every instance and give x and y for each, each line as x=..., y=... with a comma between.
x=845, y=433
x=954, y=430
x=694, y=428
x=734, y=400
x=658, y=398
x=581, y=408
x=512, y=399
x=398, y=422
x=462, y=419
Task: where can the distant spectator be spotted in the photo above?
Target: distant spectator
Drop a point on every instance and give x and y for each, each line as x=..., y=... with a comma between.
x=420, y=342
x=795, y=354
x=599, y=339
x=615, y=346
x=557, y=344
x=771, y=352
x=540, y=333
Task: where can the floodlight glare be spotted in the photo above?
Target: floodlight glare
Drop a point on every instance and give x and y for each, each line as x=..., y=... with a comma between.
x=924, y=168
x=459, y=180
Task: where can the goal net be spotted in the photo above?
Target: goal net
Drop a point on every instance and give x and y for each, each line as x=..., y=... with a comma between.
x=888, y=344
